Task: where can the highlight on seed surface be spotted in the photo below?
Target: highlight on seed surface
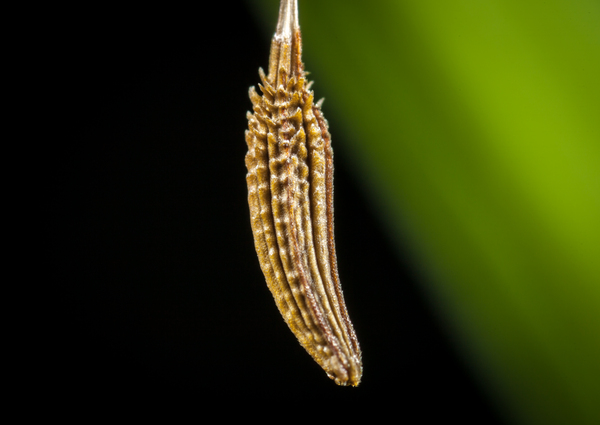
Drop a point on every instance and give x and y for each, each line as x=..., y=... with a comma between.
x=290, y=193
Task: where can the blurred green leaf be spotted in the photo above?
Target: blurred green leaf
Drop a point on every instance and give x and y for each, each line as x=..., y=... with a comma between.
x=476, y=129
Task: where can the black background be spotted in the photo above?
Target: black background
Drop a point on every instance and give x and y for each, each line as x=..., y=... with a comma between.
x=155, y=295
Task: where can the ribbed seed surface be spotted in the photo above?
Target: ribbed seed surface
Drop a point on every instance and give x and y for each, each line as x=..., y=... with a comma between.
x=290, y=193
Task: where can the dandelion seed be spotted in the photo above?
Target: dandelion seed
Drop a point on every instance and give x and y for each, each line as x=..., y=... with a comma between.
x=290, y=193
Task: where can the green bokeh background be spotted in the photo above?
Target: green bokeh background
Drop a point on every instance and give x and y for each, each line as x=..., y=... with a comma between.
x=475, y=127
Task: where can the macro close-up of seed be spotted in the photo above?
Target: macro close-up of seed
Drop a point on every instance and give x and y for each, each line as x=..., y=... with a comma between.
x=290, y=193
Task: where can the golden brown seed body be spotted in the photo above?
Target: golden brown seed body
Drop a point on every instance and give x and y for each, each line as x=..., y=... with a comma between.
x=290, y=193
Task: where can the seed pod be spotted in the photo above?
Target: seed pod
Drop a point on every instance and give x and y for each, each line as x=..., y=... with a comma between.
x=290, y=192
